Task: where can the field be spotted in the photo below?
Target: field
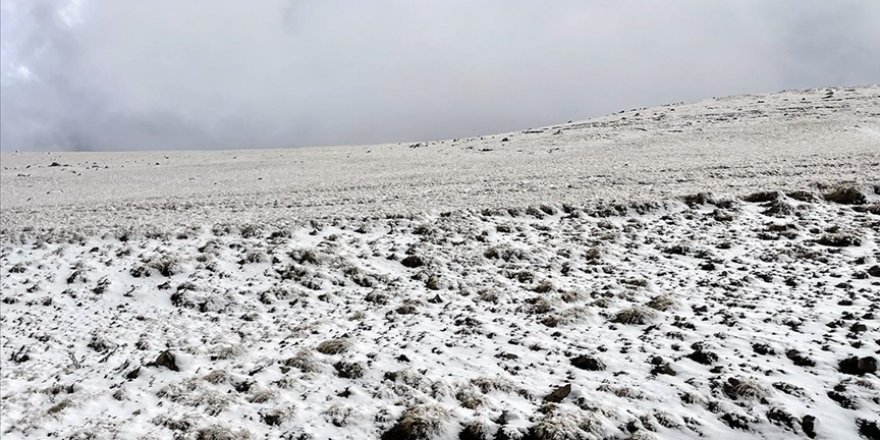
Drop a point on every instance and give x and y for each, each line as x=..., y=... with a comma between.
x=691, y=270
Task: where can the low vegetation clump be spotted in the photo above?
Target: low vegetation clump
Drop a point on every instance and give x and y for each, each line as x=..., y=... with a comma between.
x=635, y=316
x=420, y=422
x=334, y=346
x=847, y=195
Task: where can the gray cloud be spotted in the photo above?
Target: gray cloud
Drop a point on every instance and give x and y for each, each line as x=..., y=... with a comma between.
x=165, y=74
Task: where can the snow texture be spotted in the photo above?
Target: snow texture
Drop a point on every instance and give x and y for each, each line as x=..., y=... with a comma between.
x=748, y=309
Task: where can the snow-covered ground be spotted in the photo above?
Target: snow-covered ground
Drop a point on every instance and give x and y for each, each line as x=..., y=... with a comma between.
x=785, y=140
x=700, y=302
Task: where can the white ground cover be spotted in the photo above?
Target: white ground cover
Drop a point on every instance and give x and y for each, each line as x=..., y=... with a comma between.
x=786, y=140
x=688, y=317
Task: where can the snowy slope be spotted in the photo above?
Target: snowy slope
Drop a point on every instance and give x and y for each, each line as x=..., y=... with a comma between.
x=730, y=311
x=785, y=140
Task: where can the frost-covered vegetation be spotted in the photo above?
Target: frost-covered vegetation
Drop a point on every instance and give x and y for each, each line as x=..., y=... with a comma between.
x=703, y=316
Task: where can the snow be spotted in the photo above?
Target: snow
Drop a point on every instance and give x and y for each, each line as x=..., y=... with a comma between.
x=523, y=264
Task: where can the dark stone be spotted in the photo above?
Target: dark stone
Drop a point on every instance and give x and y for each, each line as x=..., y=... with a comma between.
x=412, y=262
x=868, y=429
x=735, y=421
x=588, y=363
x=858, y=366
x=858, y=327
x=799, y=359
x=133, y=374
x=166, y=359
x=558, y=394
x=808, y=425
x=702, y=356
x=763, y=349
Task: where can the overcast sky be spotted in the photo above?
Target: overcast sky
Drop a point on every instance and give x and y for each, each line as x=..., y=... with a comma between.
x=212, y=74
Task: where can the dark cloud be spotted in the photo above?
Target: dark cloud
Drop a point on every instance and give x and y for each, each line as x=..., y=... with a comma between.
x=163, y=74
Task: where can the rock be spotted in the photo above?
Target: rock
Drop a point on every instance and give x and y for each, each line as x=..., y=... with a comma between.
x=763, y=197
x=874, y=271
x=133, y=374
x=808, y=425
x=858, y=366
x=763, y=349
x=588, y=363
x=436, y=299
x=858, y=327
x=166, y=359
x=799, y=359
x=558, y=394
x=868, y=429
x=412, y=262
x=702, y=356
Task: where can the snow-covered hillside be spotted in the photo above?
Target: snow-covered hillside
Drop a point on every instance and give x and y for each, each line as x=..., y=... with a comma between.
x=729, y=290
x=787, y=140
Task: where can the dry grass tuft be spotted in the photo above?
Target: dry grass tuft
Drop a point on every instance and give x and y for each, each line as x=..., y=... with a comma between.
x=420, y=422
x=334, y=346
x=635, y=316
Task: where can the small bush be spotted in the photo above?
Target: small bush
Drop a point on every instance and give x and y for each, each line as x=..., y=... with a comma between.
x=219, y=432
x=166, y=264
x=338, y=415
x=334, y=346
x=840, y=239
x=350, y=370
x=847, y=195
x=420, y=422
x=662, y=303
x=742, y=388
x=305, y=361
x=559, y=424
x=635, y=316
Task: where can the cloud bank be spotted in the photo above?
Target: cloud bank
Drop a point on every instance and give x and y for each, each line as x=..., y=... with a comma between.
x=218, y=74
